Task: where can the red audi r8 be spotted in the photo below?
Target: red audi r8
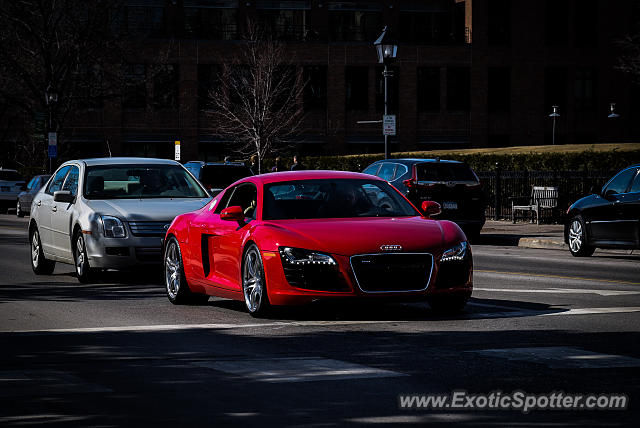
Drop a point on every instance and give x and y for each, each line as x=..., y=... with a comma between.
x=294, y=237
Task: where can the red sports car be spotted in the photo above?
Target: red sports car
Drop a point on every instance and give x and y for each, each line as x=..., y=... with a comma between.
x=294, y=237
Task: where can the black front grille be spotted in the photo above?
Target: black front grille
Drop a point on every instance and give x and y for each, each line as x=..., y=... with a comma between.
x=149, y=228
x=315, y=277
x=392, y=272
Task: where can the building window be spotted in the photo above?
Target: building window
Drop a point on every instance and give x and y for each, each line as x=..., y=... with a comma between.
x=357, y=87
x=556, y=22
x=586, y=23
x=355, y=21
x=315, y=90
x=218, y=21
x=428, y=89
x=458, y=88
x=165, y=87
x=499, y=22
x=499, y=89
x=282, y=20
x=392, y=89
x=208, y=80
x=135, y=90
x=584, y=89
x=147, y=20
x=555, y=88
x=425, y=28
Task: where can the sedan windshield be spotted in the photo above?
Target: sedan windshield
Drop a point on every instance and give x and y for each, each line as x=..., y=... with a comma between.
x=333, y=198
x=140, y=182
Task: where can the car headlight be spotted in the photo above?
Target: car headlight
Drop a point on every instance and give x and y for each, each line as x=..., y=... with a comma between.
x=298, y=256
x=113, y=227
x=458, y=252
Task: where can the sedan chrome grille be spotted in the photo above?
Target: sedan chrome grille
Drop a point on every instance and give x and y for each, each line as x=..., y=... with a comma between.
x=387, y=273
x=149, y=228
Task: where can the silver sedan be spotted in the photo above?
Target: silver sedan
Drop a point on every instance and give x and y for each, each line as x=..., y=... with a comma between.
x=109, y=213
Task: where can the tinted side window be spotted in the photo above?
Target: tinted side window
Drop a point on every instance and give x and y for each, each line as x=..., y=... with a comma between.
x=372, y=169
x=387, y=170
x=32, y=183
x=635, y=187
x=58, y=179
x=620, y=182
x=245, y=196
x=400, y=171
x=71, y=183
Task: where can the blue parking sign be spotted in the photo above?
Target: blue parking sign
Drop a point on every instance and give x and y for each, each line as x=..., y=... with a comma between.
x=53, y=151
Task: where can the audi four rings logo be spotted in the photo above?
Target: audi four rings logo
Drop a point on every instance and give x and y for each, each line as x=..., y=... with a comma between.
x=391, y=247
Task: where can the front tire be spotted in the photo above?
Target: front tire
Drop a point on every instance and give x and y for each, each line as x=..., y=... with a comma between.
x=254, y=286
x=84, y=271
x=39, y=264
x=178, y=291
x=577, y=237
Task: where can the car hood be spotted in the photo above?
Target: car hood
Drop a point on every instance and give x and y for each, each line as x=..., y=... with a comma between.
x=161, y=209
x=361, y=235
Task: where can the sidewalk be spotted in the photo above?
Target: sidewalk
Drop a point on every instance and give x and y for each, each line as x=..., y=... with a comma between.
x=522, y=234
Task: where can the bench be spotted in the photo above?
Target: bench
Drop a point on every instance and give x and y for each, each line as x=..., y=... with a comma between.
x=542, y=198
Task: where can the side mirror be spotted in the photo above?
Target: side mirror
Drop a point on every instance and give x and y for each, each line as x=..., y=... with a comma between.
x=235, y=213
x=63, y=196
x=431, y=208
x=609, y=194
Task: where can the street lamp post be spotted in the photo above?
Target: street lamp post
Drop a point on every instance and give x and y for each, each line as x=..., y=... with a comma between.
x=554, y=115
x=387, y=50
x=50, y=98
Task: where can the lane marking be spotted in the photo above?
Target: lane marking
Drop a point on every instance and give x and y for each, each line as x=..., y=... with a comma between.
x=287, y=370
x=561, y=357
x=561, y=291
x=595, y=311
x=544, y=275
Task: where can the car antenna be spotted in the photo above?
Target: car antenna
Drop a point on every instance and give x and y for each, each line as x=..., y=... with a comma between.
x=108, y=147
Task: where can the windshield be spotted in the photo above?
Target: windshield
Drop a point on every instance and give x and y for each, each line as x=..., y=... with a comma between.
x=140, y=182
x=444, y=171
x=333, y=198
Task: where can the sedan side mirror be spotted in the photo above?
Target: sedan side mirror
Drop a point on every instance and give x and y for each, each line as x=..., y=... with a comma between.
x=235, y=213
x=63, y=196
x=431, y=208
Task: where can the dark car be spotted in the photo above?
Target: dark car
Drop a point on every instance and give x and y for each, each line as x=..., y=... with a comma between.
x=23, y=204
x=608, y=219
x=453, y=184
x=216, y=176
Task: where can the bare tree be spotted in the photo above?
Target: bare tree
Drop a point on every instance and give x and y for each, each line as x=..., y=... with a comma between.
x=629, y=60
x=62, y=47
x=257, y=104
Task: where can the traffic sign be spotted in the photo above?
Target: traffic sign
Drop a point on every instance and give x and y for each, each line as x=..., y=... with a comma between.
x=53, y=151
x=53, y=145
x=389, y=124
x=177, y=152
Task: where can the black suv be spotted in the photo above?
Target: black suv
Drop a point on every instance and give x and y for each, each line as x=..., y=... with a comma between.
x=452, y=184
x=217, y=176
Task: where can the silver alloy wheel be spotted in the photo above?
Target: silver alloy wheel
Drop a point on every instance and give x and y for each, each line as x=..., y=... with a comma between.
x=81, y=261
x=172, y=270
x=576, y=235
x=252, y=283
x=35, y=248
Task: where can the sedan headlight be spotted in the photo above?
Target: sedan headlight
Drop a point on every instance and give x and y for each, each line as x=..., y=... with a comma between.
x=113, y=227
x=298, y=256
x=457, y=252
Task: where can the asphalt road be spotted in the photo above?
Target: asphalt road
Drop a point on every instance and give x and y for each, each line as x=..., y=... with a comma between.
x=117, y=353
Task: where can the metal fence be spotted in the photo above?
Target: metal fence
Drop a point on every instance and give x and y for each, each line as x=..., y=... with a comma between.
x=501, y=187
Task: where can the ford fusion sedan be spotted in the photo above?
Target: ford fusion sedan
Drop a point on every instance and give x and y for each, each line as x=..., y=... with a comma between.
x=109, y=213
x=294, y=237
x=607, y=219
x=454, y=185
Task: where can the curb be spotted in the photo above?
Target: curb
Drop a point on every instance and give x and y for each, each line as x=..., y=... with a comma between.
x=553, y=244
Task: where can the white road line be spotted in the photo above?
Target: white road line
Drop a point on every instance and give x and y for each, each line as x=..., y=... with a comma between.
x=596, y=311
x=560, y=291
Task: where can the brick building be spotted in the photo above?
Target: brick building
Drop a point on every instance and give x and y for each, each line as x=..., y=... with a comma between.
x=468, y=74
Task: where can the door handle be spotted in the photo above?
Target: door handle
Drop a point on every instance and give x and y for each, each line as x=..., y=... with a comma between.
x=54, y=208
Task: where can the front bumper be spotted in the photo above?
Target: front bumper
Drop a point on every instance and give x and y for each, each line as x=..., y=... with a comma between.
x=121, y=253
x=281, y=292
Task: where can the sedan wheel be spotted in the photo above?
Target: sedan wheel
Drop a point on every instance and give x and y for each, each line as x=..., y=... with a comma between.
x=84, y=272
x=39, y=264
x=253, y=283
x=178, y=291
x=578, y=238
